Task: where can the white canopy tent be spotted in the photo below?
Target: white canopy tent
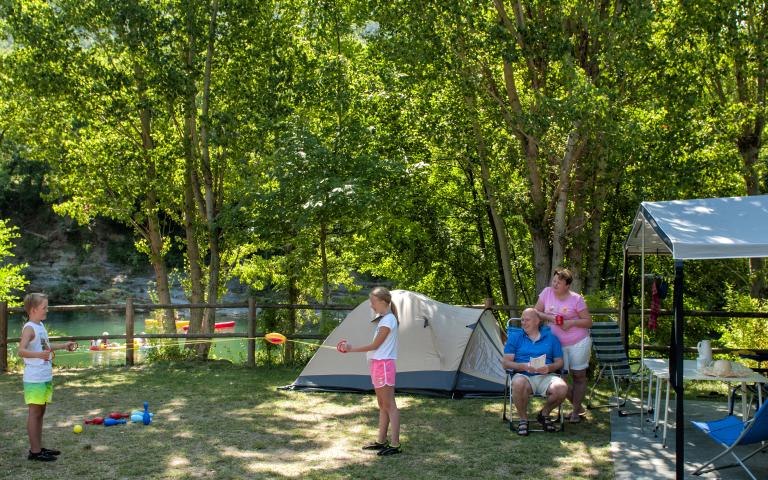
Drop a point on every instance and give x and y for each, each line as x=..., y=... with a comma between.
x=733, y=227
x=701, y=229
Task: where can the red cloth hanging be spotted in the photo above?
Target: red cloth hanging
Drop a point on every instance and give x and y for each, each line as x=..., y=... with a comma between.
x=655, y=307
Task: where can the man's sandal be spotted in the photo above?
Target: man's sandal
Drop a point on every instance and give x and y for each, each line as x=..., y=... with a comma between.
x=376, y=446
x=522, y=428
x=390, y=450
x=546, y=423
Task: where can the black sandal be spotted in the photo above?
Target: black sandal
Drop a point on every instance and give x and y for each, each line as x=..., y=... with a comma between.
x=522, y=428
x=546, y=422
x=390, y=450
x=376, y=446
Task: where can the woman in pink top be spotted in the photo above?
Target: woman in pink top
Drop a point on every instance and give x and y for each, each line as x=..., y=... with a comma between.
x=570, y=321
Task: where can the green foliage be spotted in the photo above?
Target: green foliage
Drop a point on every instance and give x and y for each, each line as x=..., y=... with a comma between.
x=12, y=280
x=164, y=351
x=601, y=299
x=746, y=333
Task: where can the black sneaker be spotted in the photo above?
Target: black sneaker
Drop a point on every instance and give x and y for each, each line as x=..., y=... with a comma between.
x=376, y=446
x=41, y=457
x=390, y=450
x=50, y=451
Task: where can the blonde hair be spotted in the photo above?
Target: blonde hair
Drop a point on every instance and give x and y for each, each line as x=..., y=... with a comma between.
x=34, y=300
x=383, y=293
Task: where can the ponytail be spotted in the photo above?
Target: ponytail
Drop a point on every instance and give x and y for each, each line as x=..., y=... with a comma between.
x=394, y=312
x=382, y=293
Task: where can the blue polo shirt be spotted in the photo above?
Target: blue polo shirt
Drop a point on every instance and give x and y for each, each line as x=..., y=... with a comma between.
x=523, y=348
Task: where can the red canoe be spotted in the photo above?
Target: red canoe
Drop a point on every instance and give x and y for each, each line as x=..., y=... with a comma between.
x=218, y=326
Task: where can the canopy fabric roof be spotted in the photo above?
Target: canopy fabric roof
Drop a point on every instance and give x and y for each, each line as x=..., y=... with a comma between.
x=708, y=228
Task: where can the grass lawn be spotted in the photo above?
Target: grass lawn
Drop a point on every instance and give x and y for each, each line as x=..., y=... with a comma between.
x=217, y=420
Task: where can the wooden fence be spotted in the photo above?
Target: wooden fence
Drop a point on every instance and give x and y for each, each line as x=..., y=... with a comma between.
x=251, y=334
x=130, y=308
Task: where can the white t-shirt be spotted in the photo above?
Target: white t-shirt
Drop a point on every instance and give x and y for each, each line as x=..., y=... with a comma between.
x=388, y=349
x=37, y=370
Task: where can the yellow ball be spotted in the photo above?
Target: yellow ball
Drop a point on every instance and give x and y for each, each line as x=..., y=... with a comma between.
x=78, y=429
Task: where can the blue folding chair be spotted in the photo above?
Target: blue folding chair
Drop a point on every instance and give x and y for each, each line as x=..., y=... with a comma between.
x=509, y=400
x=731, y=432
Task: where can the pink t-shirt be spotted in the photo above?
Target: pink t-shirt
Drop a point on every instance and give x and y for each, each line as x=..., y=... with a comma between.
x=569, y=309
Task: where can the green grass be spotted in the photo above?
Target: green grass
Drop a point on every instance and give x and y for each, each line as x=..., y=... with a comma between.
x=216, y=420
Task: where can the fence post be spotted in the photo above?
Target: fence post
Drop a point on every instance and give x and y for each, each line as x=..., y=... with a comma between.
x=251, y=345
x=129, y=332
x=3, y=337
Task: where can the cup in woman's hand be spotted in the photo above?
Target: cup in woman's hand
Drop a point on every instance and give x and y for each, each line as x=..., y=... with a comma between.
x=558, y=319
x=342, y=346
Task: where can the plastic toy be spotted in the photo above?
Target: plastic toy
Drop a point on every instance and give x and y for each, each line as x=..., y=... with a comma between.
x=108, y=422
x=137, y=416
x=275, y=338
x=94, y=421
x=77, y=429
x=118, y=415
x=147, y=418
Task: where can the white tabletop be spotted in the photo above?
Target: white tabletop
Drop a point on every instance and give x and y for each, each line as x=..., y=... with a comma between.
x=660, y=368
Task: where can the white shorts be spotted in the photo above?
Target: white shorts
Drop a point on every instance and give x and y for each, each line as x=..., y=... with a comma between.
x=539, y=383
x=576, y=356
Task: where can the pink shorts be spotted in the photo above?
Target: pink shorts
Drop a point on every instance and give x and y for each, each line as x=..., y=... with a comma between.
x=382, y=372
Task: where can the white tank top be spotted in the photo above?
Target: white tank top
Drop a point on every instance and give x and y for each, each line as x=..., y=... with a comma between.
x=37, y=370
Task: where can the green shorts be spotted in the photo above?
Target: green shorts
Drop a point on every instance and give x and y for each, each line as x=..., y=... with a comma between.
x=38, y=393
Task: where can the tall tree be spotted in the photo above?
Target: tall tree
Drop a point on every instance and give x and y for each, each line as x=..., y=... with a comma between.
x=729, y=39
x=85, y=65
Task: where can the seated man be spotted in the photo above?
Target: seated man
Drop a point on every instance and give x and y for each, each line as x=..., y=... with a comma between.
x=532, y=341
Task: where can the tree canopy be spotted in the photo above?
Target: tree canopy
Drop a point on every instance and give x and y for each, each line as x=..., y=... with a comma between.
x=462, y=149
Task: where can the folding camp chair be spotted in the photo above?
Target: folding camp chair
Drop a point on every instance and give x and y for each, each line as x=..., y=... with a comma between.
x=509, y=400
x=730, y=432
x=612, y=361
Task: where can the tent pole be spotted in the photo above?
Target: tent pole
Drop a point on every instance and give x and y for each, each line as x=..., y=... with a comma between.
x=676, y=370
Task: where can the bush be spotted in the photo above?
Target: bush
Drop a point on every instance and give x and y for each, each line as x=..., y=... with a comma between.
x=169, y=351
x=744, y=332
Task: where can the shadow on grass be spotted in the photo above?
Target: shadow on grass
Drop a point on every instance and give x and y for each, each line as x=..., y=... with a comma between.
x=224, y=421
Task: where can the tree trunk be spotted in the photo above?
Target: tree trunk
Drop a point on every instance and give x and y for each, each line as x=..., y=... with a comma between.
x=592, y=283
x=469, y=170
x=575, y=233
x=324, y=314
x=581, y=199
x=211, y=204
x=604, y=271
x=190, y=182
x=542, y=260
x=509, y=292
x=151, y=228
x=157, y=259
x=572, y=150
x=293, y=298
x=749, y=147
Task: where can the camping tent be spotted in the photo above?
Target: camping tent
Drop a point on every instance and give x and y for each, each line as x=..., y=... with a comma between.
x=711, y=228
x=443, y=349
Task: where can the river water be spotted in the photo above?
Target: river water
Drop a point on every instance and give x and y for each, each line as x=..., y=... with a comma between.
x=96, y=323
